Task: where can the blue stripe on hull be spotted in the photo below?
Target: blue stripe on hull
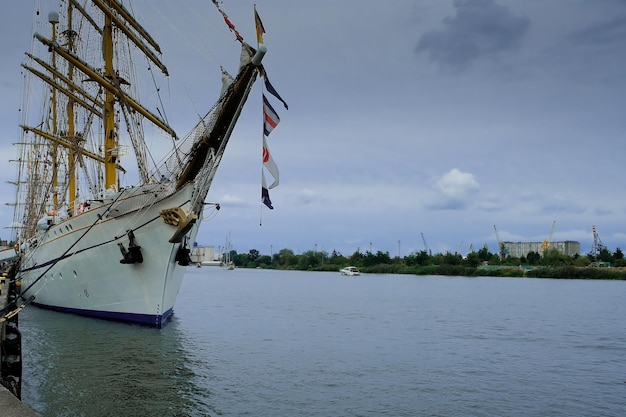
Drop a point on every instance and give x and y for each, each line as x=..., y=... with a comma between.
x=152, y=320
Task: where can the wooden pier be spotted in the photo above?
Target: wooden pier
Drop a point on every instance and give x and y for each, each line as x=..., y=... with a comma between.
x=10, y=347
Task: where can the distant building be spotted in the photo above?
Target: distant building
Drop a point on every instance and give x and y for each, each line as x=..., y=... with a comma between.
x=519, y=249
x=203, y=254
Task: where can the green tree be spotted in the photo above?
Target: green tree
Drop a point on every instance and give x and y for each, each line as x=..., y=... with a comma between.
x=285, y=259
x=620, y=263
x=495, y=259
x=484, y=254
x=356, y=258
x=337, y=258
x=309, y=260
x=253, y=255
x=452, y=259
x=420, y=258
x=555, y=258
x=605, y=256
x=581, y=261
x=379, y=258
x=472, y=260
x=533, y=258
x=263, y=261
x=238, y=259
x=437, y=259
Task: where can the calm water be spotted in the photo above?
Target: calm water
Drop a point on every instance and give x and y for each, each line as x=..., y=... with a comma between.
x=275, y=343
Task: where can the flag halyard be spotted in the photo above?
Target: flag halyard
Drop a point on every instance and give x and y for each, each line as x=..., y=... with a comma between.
x=270, y=121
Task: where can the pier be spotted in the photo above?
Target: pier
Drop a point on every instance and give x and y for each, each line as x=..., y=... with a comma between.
x=10, y=347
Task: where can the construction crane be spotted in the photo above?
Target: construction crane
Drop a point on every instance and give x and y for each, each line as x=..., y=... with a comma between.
x=502, y=250
x=425, y=245
x=598, y=246
x=545, y=245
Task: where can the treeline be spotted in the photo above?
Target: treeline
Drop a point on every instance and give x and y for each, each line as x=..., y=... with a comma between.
x=553, y=264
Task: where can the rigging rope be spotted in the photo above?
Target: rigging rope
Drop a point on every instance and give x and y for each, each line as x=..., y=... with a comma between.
x=230, y=24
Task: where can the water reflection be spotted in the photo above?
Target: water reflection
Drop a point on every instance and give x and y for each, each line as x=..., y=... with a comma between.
x=75, y=366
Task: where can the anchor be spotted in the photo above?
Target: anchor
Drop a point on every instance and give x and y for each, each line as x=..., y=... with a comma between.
x=133, y=254
x=183, y=256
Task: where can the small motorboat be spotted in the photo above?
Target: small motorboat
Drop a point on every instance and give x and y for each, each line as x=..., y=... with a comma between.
x=350, y=271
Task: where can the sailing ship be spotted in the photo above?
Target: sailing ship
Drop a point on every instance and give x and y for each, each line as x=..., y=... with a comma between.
x=88, y=244
x=227, y=262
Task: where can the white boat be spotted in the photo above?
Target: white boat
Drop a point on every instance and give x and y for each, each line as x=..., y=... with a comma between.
x=87, y=243
x=227, y=263
x=350, y=271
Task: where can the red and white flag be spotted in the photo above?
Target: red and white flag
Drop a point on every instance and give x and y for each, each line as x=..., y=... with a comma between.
x=270, y=118
x=269, y=164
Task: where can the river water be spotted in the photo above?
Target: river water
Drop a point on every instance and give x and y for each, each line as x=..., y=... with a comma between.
x=285, y=343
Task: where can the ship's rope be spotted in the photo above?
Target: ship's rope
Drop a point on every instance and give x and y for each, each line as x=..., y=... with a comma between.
x=172, y=164
x=81, y=160
x=213, y=214
x=12, y=309
x=140, y=214
x=172, y=14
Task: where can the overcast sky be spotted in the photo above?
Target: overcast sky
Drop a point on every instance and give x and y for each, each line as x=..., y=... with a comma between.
x=441, y=117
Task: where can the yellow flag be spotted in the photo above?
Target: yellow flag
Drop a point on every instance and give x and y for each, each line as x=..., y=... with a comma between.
x=260, y=30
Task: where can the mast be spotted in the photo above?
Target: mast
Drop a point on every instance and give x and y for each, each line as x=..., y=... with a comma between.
x=117, y=22
x=53, y=19
x=215, y=140
x=110, y=140
x=71, y=136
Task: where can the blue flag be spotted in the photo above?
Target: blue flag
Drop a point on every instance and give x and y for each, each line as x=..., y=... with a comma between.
x=273, y=91
x=265, y=194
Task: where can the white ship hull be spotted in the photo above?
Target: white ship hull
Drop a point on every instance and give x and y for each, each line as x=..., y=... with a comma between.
x=75, y=267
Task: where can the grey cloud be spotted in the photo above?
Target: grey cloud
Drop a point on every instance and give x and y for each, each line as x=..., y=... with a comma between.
x=447, y=203
x=606, y=33
x=479, y=28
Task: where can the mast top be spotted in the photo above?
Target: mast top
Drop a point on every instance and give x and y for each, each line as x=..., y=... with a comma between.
x=53, y=17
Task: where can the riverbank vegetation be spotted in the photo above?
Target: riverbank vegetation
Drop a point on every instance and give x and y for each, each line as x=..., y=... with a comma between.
x=552, y=264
